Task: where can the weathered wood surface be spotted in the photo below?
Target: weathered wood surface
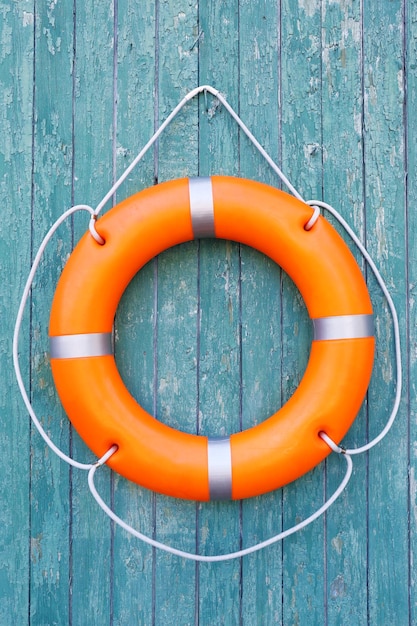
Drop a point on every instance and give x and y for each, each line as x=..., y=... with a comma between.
x=211, y=337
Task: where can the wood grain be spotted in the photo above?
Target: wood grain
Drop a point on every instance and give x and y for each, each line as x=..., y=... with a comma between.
x=261, y=305
x=51, y=194
x=303, y=580
x=211, y=337
x=16, y=97
x=385, y=203
x=91, y=536
x=410, y=360
x=343, y=177
x=135, y=322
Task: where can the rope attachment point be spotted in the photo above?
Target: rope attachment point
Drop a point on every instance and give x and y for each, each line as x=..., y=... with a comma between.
x=114, y=448
x=313, y=219
x=93, y=230
x=217, y=557
x=332, y=445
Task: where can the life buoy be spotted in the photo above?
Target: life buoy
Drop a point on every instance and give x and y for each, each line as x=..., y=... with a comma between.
x=270, y=454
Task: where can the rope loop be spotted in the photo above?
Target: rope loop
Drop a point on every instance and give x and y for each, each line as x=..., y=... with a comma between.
x=217, y=557
x=313, y=219
x=102, y=460
x=332, y=444
x=93, y=230
x=16, y=334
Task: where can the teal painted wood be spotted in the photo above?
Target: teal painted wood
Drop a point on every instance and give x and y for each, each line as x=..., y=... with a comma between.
x=220, y=275
x=385, y=204
x=91, y=534
x=322, y=86
x=342, y=152
x=411, y=339
x=175, y=381
x=16, y=93
x=261, y=306
x=303, y=581
x=135, y=321
x=52, y=158
x=219, y=408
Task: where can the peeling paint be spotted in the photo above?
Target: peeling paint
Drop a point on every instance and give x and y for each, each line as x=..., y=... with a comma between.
x=310, y=7
x=400, y=81
x=413, y=494
x=6, y=40
x=36, y=548
x=337, y=544
x=50, y=12
x=380, y=230
x=183, y=52
x=179, y=18
x=357, y=122
x=28, y=19
x=338, y=588
x=256, y=53
x=53, y=46
x=351, y=28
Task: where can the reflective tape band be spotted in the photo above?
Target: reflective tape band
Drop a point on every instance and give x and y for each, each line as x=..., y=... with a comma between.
x=220, y=468
x=79, y=346
x=343, y=327
x=202, y=207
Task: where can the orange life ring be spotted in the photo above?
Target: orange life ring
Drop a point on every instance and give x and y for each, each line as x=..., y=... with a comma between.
x=268, y=455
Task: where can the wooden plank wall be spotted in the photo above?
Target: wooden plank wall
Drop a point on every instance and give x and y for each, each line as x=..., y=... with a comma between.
x=211, y=337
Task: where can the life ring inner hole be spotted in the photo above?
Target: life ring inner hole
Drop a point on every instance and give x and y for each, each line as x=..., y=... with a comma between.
x=195, y=344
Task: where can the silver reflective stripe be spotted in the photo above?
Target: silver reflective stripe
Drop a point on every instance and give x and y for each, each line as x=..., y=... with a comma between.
x=220, y=468
x=78, y=346
x=201, y=207
x=343, y=327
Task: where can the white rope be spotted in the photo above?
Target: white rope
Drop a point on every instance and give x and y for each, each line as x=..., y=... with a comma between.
x=171, y=116
x=92, y=467
x=395, y=322
x=26, y=291
x=156, y=135
x=313, y=219
x=231, y=555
